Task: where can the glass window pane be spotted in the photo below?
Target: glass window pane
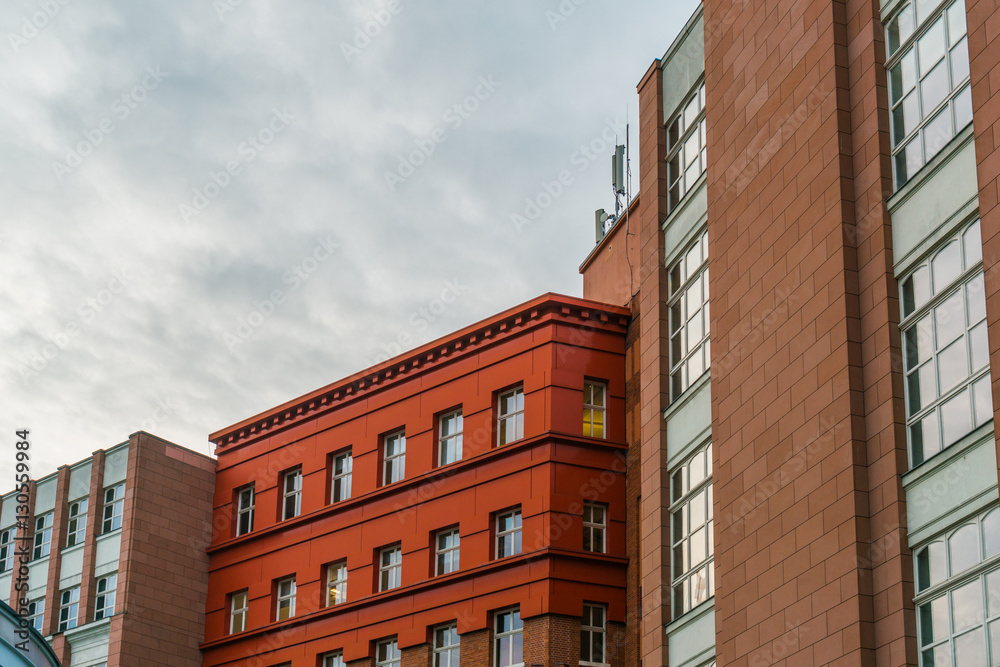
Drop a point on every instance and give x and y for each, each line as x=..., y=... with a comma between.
x=956, y=417
x=931, y=46
x=960, y=63
x=937, y=133
x=984, y=400
x=925, y=439
x=949, y=319
x=900, y=29
x=976, y=295
x=973, y=240
x=970, y=648
x=963, y=547
x=993, y=593
x=937, y=657
x=967, y=607
x=956, y=21
x=980, y=347
x=953, y=365
x=963, y=108
x=931, y=566
x=934, y=620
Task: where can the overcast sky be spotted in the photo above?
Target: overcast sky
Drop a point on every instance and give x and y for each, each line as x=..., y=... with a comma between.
x=211, y=207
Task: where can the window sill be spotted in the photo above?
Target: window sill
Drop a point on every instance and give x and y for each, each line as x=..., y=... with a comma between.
x=947, y=455
x=689, y=617
x=953, y=148
x=687, y=394
x=69, y=550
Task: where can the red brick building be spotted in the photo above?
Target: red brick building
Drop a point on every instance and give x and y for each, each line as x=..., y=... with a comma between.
x=462, y=503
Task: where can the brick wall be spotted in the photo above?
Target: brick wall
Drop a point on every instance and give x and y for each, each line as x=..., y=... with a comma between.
x=476, y=649
x=416, y=656
x=630, y=653
x=551, y=640
x=364, y=662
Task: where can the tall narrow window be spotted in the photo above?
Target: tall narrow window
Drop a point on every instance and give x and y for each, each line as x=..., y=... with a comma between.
x=692, y=541
x=592, y=631
x=387, y=653
x=945, y=349
x=335, y=659
x=239, y=607
x=390, y=568
x=43, y=536
x=595, y=521
x=69, y=609
x=336, y=583
x=594, y=409
x=340, y=484
x=510, y=416
x=286, y=599
x=291, y=502
x=929, y=89
x=246, y=503
x=446, y=646
x=689, y=316
x=7, y=550
x=686, y=148
x=104, y=606
x=508, y=534
x=508, y=641
x=36, y=613
x=450, y=438
x=394, y=458
x=447, y=551
x=77, y=528
x=114, y=506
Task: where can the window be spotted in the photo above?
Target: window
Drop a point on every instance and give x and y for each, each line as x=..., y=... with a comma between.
x=77, y=522
x=105, y=604
x=446, y=647
x=945, y=351
x=114, y=505
x=958, y=595
x=246, y=502
x=43, y=536
x=69, y=609
x=390, y=568
x=36, y=613
x=686, y=148
x=336, y=583
x=689, y=316
x=387, y=653
x=286, y=599
x=508, y=641
x=7, y=550
x=592, y=629
x=340, y=484
x=447, y=551
x=594, y=407
x=595, y=520
x=691, y=538
x=291, y=500
x=394, y=461
x=450, y=438
x=510, y=416
x=239, y=608
x=509, y=534
x=929, y=88
x=335, y=659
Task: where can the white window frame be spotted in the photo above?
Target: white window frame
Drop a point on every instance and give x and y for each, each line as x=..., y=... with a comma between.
x=239, y=611
x=36, y=613
x=687, y=154
x=7, y=549
x=69, y=608
x=590, y=629
x=291, y=497
x=336, y=583
x=341, y=469
x=692, y=582
x=394, y=457
x=513, y=533
x=446, y=558
x=593, y=407
x=689, y=310
x=246, y=508
x=390, y=572
x=285, y=597
x=333, y=659
x=104, y=600
x=516, y=628
x=446, y=654
x=387, y=653
x=597, y=530
x=450, y=428
x=43, y=536
x=510, y=420
x=114, y=508
x=76, y=529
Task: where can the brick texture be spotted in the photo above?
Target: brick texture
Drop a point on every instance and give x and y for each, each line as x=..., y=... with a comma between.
x=630, y=653
x=476, y=649
x=416, y=656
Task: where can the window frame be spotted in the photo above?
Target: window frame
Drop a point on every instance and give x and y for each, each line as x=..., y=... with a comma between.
x=341, y=482
x=113, y=509
x=446, y=655
x=76, y=526
x=394, y=657
x=288, y=598
x=397, y=440
x=515, y=534
x=517, y=628
x=103, y=607
x=294, y=494
x=588, y=628
x=516, y=416
x=682, y=502
x=36, y=613
x=242, y=612
x=333, y=659
x=681, y=278
x=592, y=527
x=336, y=587
x=591, y=409
x=42, y=539
x=680, y=132
x=247, y=511
x=451, y=554
x=391, y=571
x=449, y=441
x=7, y=549
x=66, y=608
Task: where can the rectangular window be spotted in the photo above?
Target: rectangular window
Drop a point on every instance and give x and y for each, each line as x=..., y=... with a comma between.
x=43, y=536
x=387, y=653
x=335, y=659
x=36, y=613
x=7, y=550
x=595, y=521
x=340, y=483
x=77, y=528
x=688, y=302
x=239, y=608
x=508, y=640
x=105, y=604
x=945, y=349
x=336, y=583
x=390, y=568
x=509, y=533
x=510, y=416
x=594, y=409
x=69, y=609
x=246, y=503
x=447, y=543
x=394, y=457
x=686, y=148
x=929, y=89
x=450, y=438
x=291, y=499
x=592, y=630
x=114, y=506
x=446, y=646
x=691, y=539
x=286, y=599
x=958, y=595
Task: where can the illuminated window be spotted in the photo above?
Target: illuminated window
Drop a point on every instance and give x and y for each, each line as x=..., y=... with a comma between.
x=286, y=599
x=336, y=583
x=239, y=607
x=594, y=409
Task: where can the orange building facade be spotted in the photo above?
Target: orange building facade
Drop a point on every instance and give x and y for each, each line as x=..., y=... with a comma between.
x=461, y=504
